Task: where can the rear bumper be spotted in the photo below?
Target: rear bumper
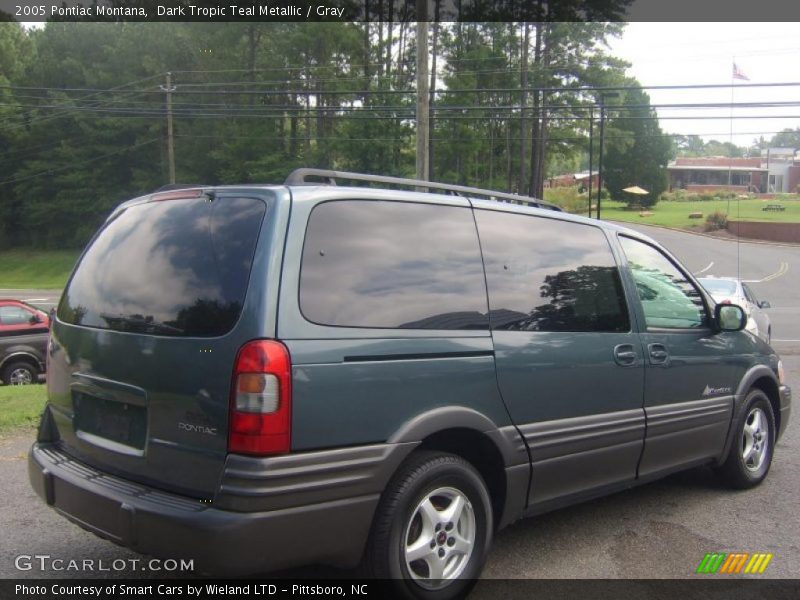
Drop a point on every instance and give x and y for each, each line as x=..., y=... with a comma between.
x=220, y=541
x=785, y=393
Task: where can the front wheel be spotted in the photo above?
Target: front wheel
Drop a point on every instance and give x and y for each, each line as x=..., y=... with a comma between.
x=432, y=529
x=750, y=455
x=20, y=373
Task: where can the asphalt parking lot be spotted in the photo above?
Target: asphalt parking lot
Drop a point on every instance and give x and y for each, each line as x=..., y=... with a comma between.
x=661, y=530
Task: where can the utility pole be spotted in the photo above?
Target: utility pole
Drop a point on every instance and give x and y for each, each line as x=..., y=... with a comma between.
x=523, y=121
x=603, y=97
x=423, y=91
x=600, y=160
x=432, y=94
x=168, y=89
x=591, y=156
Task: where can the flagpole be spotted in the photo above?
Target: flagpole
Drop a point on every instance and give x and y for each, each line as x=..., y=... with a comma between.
x=734, y=70
x=730, y=134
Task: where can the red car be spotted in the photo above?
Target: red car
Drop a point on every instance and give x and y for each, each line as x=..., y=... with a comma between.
x=24, y=330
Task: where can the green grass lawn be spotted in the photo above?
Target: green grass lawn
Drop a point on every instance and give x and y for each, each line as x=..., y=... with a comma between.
x=39, y=269
x=676, y=214
x=21, y=405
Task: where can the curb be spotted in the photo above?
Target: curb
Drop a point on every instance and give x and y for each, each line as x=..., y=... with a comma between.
x=708, y=235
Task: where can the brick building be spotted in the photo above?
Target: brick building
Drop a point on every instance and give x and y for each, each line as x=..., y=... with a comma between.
x=778, y=171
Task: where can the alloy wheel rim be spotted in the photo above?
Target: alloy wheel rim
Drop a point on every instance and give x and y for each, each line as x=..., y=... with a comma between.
x=755, y=439
x=440, y=537
x=20, y=377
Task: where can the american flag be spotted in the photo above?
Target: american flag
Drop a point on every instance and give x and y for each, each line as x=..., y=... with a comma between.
x=738, y=73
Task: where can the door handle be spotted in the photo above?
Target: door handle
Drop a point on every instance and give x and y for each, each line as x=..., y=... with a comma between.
x=658, y=354
x=624, y=355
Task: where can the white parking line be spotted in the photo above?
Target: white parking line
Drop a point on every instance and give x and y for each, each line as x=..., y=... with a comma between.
x=36, y=299
x=711, y=264
x=782, y=270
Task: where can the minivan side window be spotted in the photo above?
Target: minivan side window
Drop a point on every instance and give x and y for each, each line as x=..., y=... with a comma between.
x=384, y=264
x=550, y=275
x=669, y=299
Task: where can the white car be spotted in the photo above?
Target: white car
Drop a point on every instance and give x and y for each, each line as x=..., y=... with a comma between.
x=729, y=290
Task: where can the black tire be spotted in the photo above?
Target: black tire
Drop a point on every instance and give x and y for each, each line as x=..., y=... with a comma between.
x=750, y=455
x=20, y=373
x=440, y=479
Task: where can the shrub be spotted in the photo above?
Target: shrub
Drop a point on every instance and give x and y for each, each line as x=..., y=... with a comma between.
x=679, y=196
x=716, y=220
x=676, y=196
x=568, y=198
x=684, y=196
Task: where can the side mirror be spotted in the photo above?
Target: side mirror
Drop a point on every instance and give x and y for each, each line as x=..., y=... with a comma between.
x=730, y=317
x=764, y=304
x=35, y=319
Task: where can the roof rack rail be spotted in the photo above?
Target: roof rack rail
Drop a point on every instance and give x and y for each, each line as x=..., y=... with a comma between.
x=300, y=177
x=178, y=186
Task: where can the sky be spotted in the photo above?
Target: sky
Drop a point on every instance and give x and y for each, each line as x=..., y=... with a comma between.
x=703, y=53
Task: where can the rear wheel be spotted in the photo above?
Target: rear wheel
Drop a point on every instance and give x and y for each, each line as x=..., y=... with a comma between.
x=750, y=455
x=20, y=373
x=432, y=529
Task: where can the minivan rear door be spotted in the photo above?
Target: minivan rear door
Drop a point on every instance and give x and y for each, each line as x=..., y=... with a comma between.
x=569, y=363
x=147, y=333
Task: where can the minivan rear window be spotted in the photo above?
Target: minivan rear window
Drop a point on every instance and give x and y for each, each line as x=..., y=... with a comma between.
x=175, y=268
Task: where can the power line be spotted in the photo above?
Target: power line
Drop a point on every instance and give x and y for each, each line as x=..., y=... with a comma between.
x=496, y=111
x=48, y=117
x=76, y=164
x=448, y=139
x=226, y=136
x=440, y=107
x=304, y=92
x=340, y=113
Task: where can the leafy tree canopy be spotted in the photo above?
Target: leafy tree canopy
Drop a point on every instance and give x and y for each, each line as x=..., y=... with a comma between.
x=637, y=150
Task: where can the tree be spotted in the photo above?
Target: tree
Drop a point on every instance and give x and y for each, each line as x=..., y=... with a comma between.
x=83, y=114
x=16, y=54
x=716, y=148
x=693, y=145
x=568, y=56
x=688, y=145
x=787, y=138
x=637, y=151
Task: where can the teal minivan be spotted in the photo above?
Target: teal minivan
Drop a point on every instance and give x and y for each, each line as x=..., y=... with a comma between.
x=259, y=377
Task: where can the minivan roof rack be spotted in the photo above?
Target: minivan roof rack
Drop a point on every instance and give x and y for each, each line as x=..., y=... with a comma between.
x=300, y=177
x=179, y=186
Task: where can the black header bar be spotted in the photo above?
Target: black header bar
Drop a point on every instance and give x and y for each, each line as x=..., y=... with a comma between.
x=667, y=11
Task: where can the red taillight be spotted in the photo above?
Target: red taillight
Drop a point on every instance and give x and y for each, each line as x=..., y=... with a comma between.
x=726, y=301
x=261, y=399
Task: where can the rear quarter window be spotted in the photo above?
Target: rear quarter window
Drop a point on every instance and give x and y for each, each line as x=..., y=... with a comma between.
x=400, y=265
x=178, y=268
